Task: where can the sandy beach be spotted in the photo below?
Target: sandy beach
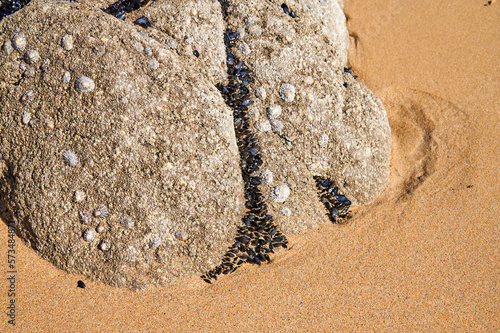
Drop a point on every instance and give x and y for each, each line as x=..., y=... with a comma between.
x=423, y=257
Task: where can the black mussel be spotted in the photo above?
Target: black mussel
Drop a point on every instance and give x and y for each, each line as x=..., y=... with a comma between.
x=120, y=16
x=243, y=239
x=143, y=22
x=244, y=90
x=251, y=252
x=325, y=183
x=196, y=53
x=81, y=284
x=232, y=71
x=293, y=15
x=346, y=202
x=232, y=35
x=285, y=9
x=249, y=160
x=238, y=65
x=207, y=281
x=243, y=72
x=341, y=198
x=333, y=191
x=254, y=151
x=343, y=212
x=256, y=260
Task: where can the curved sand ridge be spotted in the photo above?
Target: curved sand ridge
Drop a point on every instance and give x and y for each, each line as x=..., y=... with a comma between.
x=430, y=136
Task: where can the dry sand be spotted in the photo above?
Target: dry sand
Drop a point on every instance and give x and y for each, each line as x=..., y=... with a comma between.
x=423, y=258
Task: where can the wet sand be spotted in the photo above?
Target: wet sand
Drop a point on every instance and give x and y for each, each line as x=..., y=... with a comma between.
x=423, y=257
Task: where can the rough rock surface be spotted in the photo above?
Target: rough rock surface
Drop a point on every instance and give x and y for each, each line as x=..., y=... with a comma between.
x=155, y=145
x=334, y=126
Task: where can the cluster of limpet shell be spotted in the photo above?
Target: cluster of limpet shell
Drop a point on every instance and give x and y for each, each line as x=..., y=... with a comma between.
x=258, y=236
x=335, y=203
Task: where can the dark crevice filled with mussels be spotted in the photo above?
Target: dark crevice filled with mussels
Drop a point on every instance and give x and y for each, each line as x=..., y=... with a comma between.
x=11, y=6
x=336, y=204
x=258, y=236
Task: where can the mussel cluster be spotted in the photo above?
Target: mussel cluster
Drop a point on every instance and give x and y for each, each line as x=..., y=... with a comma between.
x=336, y=204
x=258, y=236
x=120, y=8
x=9, y=7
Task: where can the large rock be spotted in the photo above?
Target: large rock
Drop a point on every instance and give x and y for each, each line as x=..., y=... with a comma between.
x=155, y=146
x=119, y=159
x=334, y=126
